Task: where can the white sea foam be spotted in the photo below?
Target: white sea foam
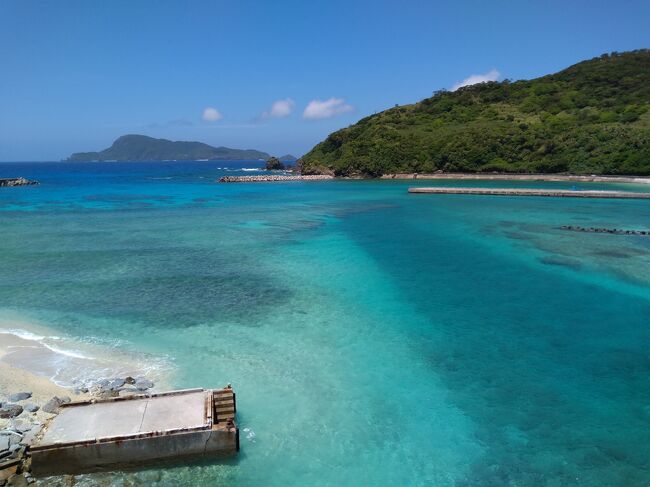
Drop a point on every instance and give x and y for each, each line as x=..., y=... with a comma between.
x=72, y=362
x=41, y=340
x=24, y=334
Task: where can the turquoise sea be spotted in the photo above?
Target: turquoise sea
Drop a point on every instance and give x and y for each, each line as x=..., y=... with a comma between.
x=373, y=337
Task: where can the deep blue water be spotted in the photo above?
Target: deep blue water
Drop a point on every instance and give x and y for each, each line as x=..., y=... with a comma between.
x=373, y=337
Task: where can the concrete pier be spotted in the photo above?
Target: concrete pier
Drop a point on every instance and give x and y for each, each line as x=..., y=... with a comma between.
x=523, y=177
x=561, y=193
x=125, y=431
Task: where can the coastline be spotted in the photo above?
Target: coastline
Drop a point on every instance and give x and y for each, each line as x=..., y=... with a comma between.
x=36, y=359
x=15, y=379
x=522, y=177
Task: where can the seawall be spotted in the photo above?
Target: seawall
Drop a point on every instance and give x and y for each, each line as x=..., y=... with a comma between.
x=523, y=177
x=273, y=178
x=533, y=192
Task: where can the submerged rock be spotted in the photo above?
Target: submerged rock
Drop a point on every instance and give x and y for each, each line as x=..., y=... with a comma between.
x=143, y=384
x=116, y=383
x=128, y=391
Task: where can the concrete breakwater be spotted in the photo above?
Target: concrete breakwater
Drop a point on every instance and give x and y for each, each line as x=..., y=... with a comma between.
x=533, y=192
x=273, y=178
x=613, y=231
x=16, y=182
x=523, y=177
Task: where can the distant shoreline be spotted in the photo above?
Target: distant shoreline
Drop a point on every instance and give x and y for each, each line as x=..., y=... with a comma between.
x=523, y=177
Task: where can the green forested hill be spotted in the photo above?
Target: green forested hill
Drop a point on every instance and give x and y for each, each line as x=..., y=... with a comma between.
x=143, y=148
x=593, y=117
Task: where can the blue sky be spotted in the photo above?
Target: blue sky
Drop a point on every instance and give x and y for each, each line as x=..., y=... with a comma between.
x=75, y=75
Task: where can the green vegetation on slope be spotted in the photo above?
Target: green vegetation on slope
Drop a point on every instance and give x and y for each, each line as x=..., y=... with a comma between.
x=143, y=148
x=593, y=117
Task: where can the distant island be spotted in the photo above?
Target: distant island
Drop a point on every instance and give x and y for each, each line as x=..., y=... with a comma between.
x=591, y=118
x=143, y=148
x=288, y=158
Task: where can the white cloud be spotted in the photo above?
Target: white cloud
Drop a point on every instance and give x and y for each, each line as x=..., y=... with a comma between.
x=211, y=114
x=280, y=109
x=492, y=75
x=317, y=109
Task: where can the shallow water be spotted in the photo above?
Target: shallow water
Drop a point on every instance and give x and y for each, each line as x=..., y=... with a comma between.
x=373, y=337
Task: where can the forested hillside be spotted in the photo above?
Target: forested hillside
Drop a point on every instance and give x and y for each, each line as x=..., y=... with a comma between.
x=592, y=117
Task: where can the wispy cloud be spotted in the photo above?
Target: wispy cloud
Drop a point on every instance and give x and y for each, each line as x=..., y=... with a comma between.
x=279, y=109
x=492, y=75
x=318, y=109
x=211, y=114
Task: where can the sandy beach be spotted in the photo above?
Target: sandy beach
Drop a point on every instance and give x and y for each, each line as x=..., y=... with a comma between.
x=36, y=359
x=15, y=379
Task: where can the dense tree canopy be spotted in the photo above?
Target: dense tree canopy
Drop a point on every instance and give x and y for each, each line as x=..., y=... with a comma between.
x=593, y=117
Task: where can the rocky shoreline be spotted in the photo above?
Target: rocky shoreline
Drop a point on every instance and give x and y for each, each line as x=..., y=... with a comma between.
x=273, y=178
x=21, y=422
x=17, y=182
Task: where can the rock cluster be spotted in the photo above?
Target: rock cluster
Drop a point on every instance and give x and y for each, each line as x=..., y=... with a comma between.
x=16, y=182
x=15, y=438
x=613, y=231
x=273, y=178
x=117, y=386
x=21, y=425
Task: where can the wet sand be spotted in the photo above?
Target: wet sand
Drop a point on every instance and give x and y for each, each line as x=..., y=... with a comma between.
x=15, y=379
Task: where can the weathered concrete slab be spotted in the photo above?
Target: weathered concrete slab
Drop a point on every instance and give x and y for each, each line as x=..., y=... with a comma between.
x=126, y=417
x=128, y=431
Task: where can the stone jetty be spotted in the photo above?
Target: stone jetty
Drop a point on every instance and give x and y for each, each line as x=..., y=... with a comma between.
x=558, y=193
x=612, y=231
x=17, y=182
x=273, y=178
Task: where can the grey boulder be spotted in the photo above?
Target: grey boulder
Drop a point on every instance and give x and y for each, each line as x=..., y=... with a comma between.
x=30, y=407
x=19, y=396
x=52, y=406
x=10, y=410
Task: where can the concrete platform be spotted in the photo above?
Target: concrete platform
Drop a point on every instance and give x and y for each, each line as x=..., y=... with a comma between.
x=533, y=192
x=95, y=435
